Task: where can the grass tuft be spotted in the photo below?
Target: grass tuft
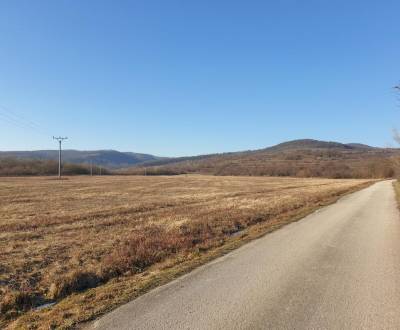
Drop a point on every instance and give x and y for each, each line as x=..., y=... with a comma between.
x=13, y=300
x=75, y=281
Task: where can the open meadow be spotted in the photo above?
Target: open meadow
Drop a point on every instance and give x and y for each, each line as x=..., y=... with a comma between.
x=91, y=243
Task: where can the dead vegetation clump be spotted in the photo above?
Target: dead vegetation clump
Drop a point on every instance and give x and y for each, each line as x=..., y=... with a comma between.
x=75, y=281
x=13, y=300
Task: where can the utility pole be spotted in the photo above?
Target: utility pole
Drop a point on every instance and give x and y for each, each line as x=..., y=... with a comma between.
x=100, y=170
x=91, y=167
x=60, y=140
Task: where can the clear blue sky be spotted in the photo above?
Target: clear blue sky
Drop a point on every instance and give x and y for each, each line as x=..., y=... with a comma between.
x=193, y=77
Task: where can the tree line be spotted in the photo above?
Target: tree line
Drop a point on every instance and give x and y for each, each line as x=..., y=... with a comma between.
x=33, y=167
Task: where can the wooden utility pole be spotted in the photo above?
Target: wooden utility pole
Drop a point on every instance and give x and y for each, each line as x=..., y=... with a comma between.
x=60, y=140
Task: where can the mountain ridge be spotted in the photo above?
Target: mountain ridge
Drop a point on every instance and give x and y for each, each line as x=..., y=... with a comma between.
x=303, y=158
x=292, y=145
x=105, y=157
x=114, y=159
x=319, y=144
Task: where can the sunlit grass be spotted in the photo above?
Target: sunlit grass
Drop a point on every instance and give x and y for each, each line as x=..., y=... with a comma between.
x=61, y=238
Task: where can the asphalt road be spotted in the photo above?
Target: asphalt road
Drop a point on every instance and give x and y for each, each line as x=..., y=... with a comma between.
x=338, y=268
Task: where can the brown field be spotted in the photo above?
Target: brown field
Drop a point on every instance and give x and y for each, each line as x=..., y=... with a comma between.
x=90, y=244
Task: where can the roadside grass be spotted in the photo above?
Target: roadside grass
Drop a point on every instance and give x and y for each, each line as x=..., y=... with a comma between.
x=92, y=244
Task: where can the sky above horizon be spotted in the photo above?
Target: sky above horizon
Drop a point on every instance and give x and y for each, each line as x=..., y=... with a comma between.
x=176, y=78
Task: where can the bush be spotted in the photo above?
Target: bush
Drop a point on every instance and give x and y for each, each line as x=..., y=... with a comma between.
x=16, y=300
x=73, y=282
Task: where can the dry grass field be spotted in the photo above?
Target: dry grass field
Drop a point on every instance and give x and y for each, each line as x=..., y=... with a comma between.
x=91, y=243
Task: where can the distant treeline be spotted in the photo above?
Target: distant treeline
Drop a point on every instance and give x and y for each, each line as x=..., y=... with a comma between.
x=366, y=168
x=22, y=167
x=334, y=171
x=294, y=165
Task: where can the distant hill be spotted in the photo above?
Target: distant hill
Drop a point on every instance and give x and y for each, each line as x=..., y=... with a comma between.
x=310, y=144
x=316, y=144
x=303, y=158
x=106, y=158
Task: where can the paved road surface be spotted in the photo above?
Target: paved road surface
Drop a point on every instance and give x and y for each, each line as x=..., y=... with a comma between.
x=339, y=268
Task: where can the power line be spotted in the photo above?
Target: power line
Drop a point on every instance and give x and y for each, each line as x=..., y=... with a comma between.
x=21, y=117
x=13, y=122
x=20, y=121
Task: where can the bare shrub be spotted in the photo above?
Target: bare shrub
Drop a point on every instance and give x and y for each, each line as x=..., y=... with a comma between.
x=14, y=300
x=75, y=281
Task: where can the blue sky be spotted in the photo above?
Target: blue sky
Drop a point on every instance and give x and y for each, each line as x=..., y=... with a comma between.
x=192, y=77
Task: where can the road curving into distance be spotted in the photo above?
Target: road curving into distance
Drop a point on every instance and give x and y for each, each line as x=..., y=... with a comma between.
x=338, y=268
